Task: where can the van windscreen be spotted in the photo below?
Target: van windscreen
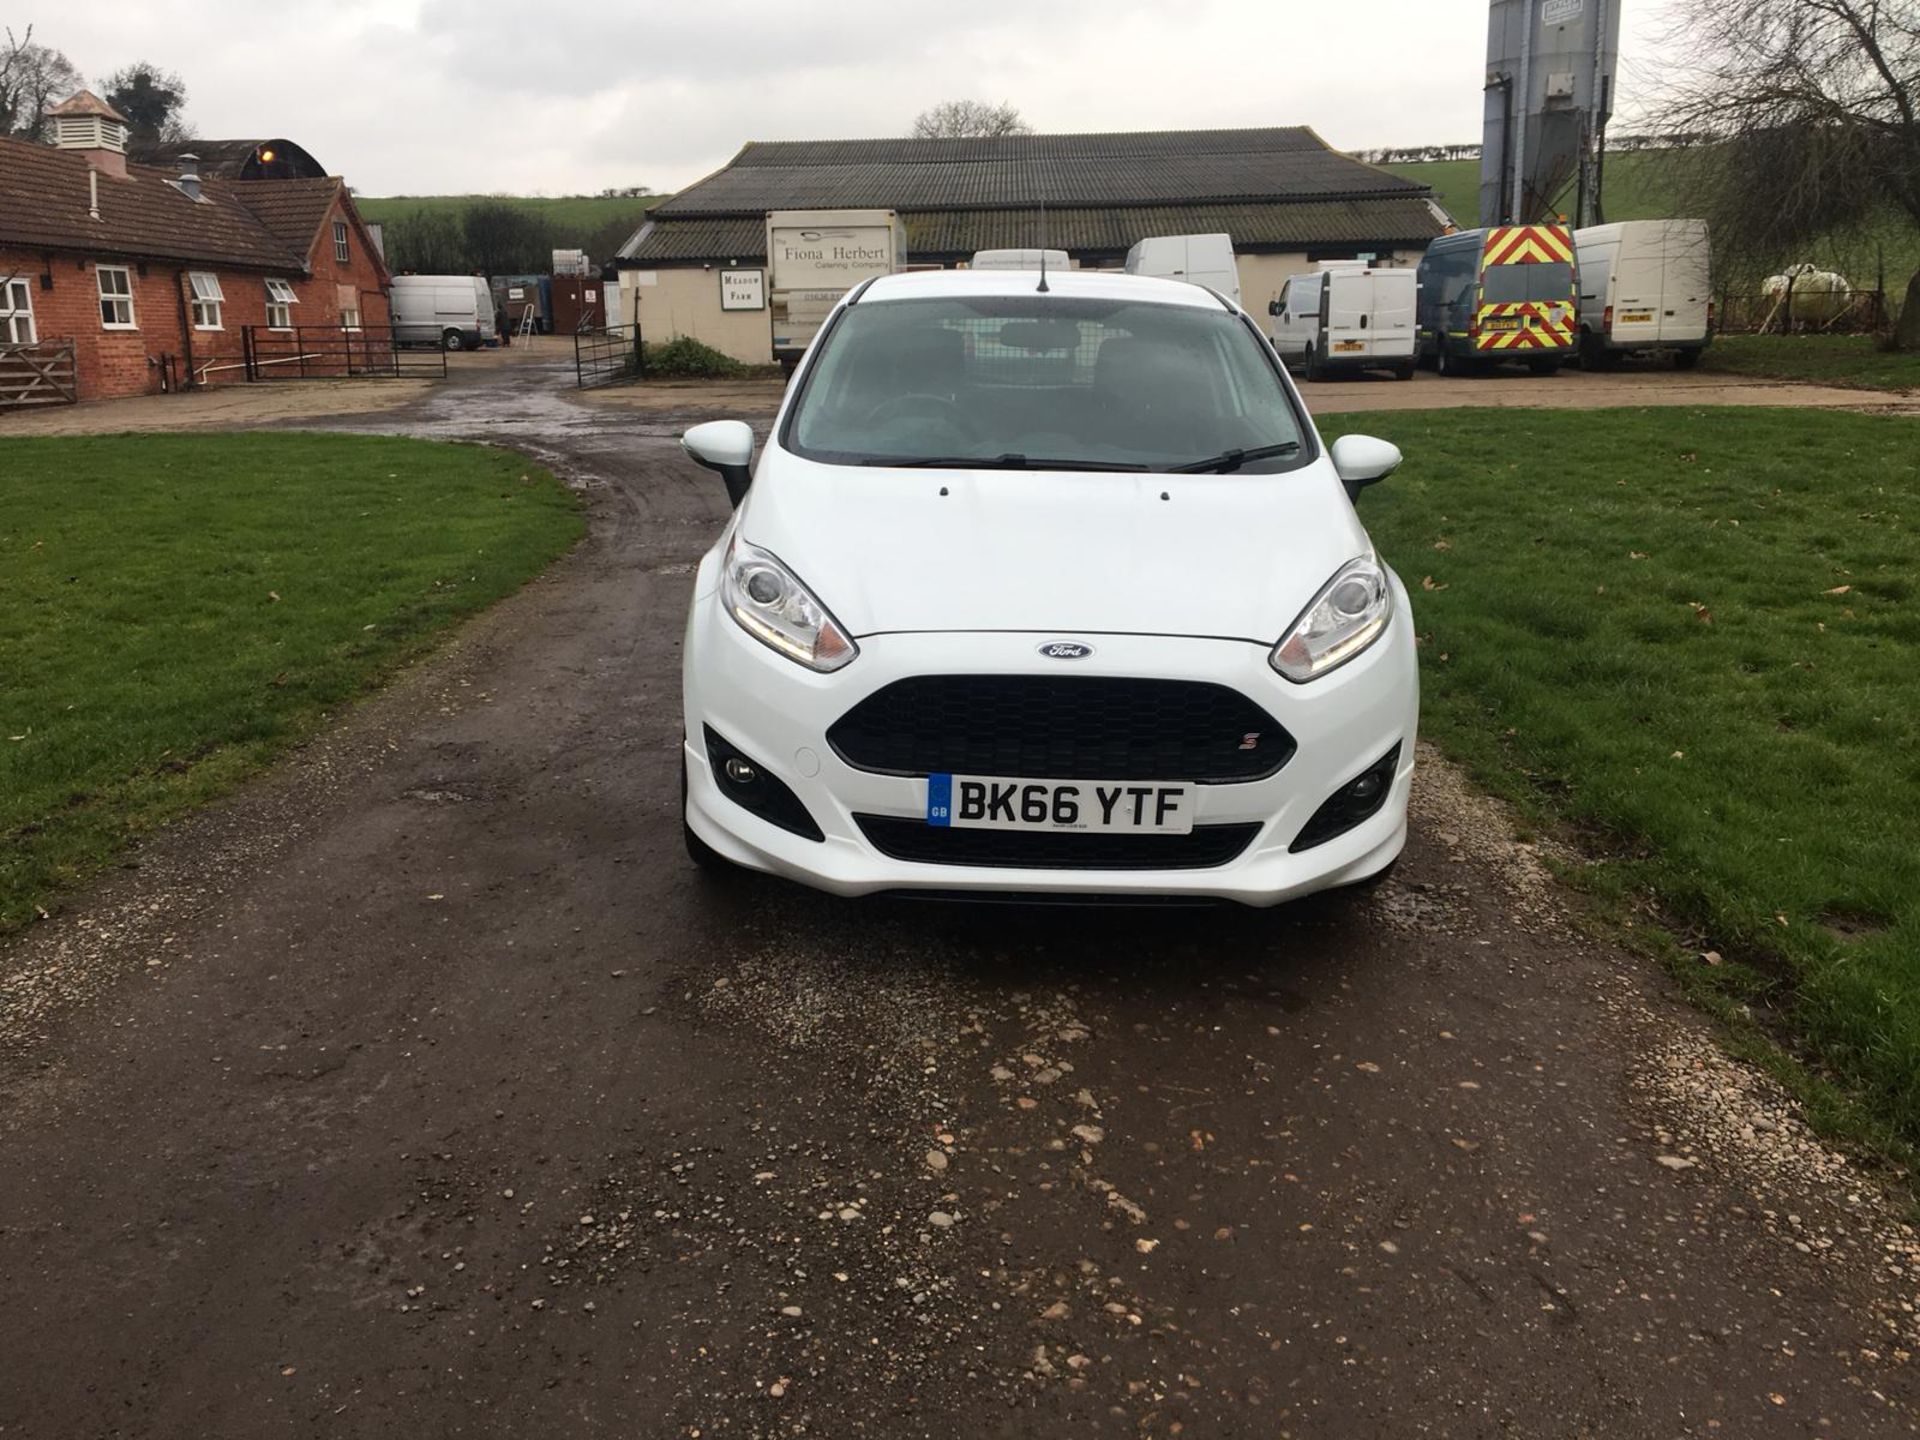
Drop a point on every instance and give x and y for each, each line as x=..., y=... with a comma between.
x=1544, y=280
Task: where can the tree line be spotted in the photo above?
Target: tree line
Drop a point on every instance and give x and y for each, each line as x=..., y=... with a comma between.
x=34, y=75
x=496, y=237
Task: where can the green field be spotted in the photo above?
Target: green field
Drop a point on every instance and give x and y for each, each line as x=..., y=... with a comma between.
x=1690, y=638
x=176, y=610
x=573, y=214
x=1822, y=359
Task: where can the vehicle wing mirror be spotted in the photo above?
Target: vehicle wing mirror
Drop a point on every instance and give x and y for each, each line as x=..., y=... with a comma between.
x=1274, y=307
x=725, y=446
x=1361, y=460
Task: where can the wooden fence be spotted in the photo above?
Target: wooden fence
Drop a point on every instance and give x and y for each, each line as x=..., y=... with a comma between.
x=37, y=375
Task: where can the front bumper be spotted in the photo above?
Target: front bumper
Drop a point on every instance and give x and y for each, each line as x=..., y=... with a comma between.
x=779, y=714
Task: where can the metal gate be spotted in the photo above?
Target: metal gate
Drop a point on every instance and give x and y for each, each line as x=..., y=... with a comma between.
x=327, y=352
x=37, y=375
x=601, y=357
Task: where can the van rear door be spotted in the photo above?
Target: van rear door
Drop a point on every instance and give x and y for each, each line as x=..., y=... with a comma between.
x=1639, y=288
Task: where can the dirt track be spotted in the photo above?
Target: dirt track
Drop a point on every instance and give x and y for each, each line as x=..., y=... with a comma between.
x=424, y=1089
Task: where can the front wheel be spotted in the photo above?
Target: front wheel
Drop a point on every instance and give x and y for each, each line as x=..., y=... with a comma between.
x=1444, y=365
x=452, y=340
x=702, y=854
x=1315, y=370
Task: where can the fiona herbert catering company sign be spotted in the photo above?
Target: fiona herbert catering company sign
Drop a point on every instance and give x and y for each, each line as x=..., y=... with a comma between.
x=743, y=289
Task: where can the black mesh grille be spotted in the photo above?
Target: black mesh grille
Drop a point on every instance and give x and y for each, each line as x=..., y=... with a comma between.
x=1086, y=727
x=912, y=839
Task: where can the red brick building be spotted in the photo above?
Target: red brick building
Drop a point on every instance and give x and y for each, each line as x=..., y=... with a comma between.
x=153, y=273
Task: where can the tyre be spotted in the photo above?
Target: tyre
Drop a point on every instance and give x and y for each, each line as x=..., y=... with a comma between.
x=1543, y=367
x=452, y=340
x=1404, y=372
x=1315, y=370
x=1444, y=365
x=1594, y=355
x=699, y=852
x=1685, y=359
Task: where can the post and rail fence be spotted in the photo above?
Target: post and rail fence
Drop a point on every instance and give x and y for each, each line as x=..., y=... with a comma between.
x=601, y=357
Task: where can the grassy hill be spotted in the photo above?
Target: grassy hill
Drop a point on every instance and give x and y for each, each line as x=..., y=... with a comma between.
x=581, y=215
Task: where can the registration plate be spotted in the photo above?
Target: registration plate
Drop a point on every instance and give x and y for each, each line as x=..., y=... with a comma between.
x=1503, y=324
x=1091, y=807
x=1349, y=344
x=1637, y=317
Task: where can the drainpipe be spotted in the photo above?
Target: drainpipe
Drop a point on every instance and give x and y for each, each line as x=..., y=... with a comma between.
x=186, y=325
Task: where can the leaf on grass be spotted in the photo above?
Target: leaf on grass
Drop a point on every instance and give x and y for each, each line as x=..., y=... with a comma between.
x=1443, y=544
x=274, y=595
x=1427, y=583
x=1701, y=612
x=1840, y=590
x=1636, y=554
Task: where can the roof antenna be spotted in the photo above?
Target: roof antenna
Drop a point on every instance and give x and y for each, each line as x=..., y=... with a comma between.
x=1042, y=194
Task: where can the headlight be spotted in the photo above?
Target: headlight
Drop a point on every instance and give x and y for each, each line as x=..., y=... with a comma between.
x=1349, y=614
x=777, y=610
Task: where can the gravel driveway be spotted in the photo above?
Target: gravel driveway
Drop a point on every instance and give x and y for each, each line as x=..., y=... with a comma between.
x=423, y=1089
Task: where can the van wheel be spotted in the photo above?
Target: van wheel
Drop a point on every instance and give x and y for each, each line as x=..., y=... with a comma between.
x=1594, y=355
x=1404, y=372
x=452, y=340
x=1543, y=367
x=1315, y=370
x=1444, y=365
x=1685, y=359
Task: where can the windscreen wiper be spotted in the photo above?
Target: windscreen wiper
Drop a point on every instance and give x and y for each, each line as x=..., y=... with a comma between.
x=1228, y=460
x=995, y=462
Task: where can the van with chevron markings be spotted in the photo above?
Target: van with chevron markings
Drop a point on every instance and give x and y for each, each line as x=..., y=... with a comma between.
x=1505, y=293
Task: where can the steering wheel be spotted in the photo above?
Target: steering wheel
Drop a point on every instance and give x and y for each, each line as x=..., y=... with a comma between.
x=922, y=401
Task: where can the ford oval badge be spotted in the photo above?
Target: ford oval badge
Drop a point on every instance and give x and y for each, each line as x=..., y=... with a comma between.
x=1066, y=650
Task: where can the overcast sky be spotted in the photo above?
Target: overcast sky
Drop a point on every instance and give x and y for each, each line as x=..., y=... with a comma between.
x=454, y=96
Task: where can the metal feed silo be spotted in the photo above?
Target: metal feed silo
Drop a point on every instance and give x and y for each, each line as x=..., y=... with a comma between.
x=1549, y=93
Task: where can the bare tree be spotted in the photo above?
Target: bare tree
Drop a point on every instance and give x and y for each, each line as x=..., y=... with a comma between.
x=32, y=77
x=955, y=119
x=1803, y=118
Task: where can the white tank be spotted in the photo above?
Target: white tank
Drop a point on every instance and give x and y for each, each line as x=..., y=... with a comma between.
x=1818, y=295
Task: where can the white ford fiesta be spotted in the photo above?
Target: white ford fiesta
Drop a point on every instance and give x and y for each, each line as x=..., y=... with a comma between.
x=1047, y=588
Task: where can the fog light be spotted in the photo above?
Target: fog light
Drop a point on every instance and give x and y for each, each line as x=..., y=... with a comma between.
x=754, y=788
x=1354, y=803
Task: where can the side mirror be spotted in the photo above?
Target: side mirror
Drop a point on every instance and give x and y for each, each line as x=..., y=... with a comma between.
x=1274, y=308
x=1361, y=460
x=725, y=446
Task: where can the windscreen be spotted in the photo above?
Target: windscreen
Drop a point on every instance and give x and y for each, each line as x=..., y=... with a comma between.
x=1034, y=379
x=1542, y=280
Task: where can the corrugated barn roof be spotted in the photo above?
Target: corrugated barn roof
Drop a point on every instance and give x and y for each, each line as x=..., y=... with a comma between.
x=1276, y=188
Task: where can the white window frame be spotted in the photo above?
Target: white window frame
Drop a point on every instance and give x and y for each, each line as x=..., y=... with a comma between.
x=341, y=251
x=207, y=299
x=280, y=297
x=16, y=310
x=350, y=320
x=121, y=300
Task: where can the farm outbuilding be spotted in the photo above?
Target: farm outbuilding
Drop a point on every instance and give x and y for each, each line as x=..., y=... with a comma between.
x=1282, y=193
x=123, y=279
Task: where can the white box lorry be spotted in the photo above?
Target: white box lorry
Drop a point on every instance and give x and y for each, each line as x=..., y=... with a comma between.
x=816, y=256
x=1198, y=259
x=454, y=312
x=1345, y=318
x=1020, y=259
x=1645, y=285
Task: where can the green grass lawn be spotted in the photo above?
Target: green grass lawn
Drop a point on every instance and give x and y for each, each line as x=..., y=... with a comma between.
x=1827, y=359
x=1693, y=635
x=174, y=610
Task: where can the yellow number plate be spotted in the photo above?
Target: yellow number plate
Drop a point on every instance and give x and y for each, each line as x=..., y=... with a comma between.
x=1637, y=317
x=1349, y=345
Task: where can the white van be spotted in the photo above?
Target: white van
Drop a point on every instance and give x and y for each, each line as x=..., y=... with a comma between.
x=1644, y=285
x=1019, y=259
x=454, y=312
x=1347, y=317
x=1198, y=259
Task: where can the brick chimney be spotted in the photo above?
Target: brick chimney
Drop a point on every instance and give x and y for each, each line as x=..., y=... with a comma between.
x=86, y=123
